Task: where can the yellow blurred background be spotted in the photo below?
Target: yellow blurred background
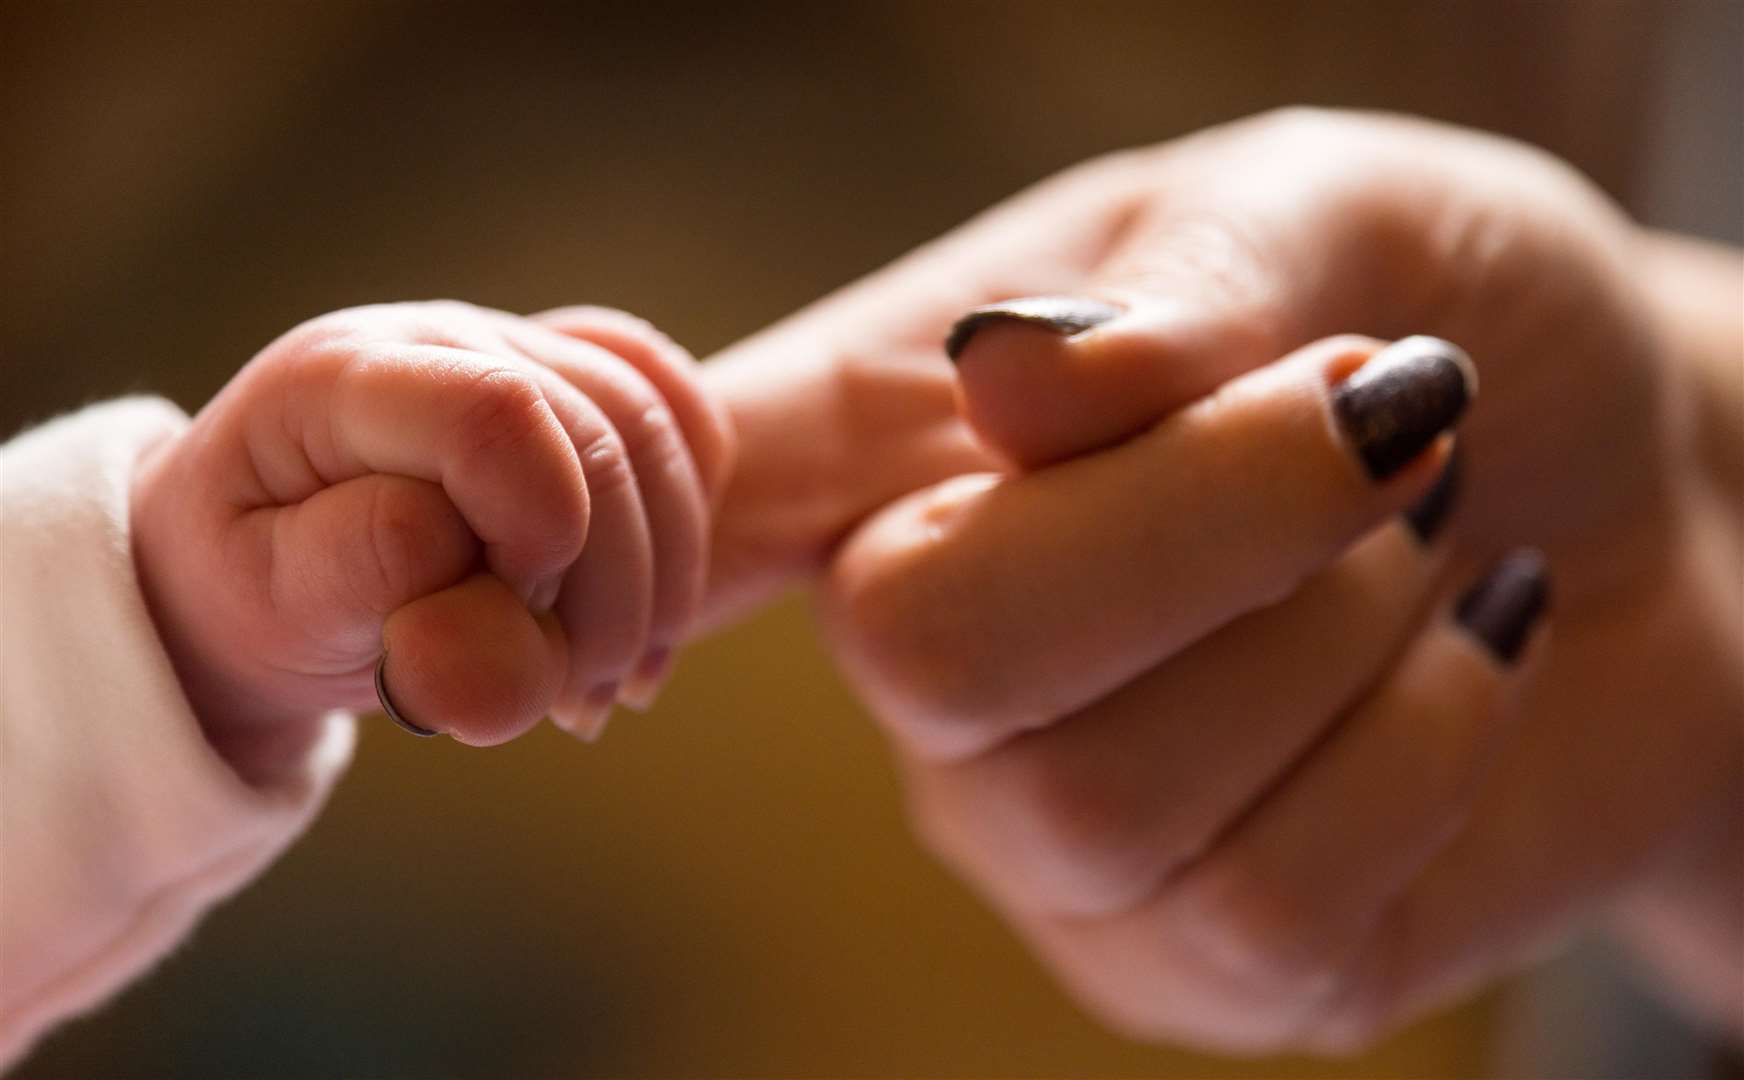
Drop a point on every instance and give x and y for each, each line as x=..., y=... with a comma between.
x=724, y=886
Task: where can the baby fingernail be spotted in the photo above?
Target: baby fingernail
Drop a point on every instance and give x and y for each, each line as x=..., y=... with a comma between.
x=1064, y=315
x=587, y=720
x=387, y=701
x=643, y=685
x=544, y=594
x=1402, y=399
x=1428, y=514
x=1504, y=606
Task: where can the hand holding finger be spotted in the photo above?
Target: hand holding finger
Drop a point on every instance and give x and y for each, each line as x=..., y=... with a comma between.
x=1271, y=937
x=1084, y=817
x=708, y=433
x=370, y=460
x=1130, y=554
x=652, y=460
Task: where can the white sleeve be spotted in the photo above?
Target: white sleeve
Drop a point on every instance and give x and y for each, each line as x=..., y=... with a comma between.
x=119, y=824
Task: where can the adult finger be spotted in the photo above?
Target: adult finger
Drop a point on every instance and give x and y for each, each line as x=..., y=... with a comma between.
x=1086, y=816
x=1203, y=282
x=962, y=637
x=1271, y=930
x=1288, y=898
x=1222, y=266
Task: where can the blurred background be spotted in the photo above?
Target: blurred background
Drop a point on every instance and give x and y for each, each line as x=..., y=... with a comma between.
x=724, y=885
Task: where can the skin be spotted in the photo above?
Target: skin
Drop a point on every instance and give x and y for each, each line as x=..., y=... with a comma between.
x=1171, y=685
x=1145, y=655
x=516, y=511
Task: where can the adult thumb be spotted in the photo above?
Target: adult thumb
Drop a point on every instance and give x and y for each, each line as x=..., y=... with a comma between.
x=1173, y=315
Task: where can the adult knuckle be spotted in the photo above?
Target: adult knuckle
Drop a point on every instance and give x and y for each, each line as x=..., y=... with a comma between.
x=1351, y=1032
x=1080, y=844
x=1260, y=933
x=1142, y=1000
x=922, y=627
x=1229, y=260
x=937, y=680
x=1126, y=1010
x=1119, y=173
x=1367, y=1010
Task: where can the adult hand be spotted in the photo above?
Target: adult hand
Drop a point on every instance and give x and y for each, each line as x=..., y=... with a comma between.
x=1171, y=684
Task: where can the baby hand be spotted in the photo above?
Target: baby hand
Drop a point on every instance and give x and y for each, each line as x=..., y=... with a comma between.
x=511, y=515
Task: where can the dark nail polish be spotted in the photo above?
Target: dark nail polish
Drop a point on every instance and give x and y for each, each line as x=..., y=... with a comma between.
x=1064, y=315
x=387, y=702
x=1501, y=609
x=1407, y=394
x=1430, y=512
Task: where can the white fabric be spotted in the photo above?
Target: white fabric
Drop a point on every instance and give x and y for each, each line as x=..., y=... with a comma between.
x=119, y=824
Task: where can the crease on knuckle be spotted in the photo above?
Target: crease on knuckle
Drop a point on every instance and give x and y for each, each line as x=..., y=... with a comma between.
x=1079, y=845
x=1364, y=1010
x=1349, y=1031
x=940, y=684
x=1229, y=265
x=1249, y=927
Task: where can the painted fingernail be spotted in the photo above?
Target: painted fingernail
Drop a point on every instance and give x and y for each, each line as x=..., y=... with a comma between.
x=387, y=701
x=1504, y=606
x=643, y=686
x=1407, y=394
x=587, y=720
x=1430, y=512
x=1064, y=315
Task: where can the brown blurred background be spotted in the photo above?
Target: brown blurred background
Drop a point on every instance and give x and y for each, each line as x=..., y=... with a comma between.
x=725, y=885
